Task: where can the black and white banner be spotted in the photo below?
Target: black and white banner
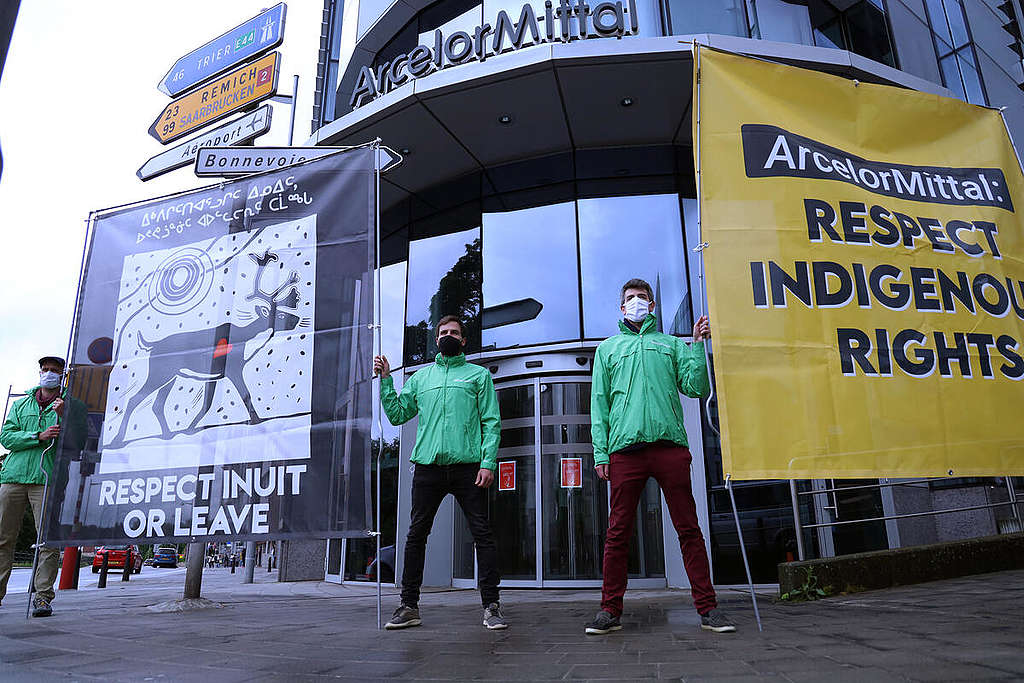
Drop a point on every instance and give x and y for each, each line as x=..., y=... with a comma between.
x=221, y=345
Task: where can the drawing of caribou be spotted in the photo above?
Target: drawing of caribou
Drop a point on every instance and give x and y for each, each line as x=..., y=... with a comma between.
x=212, y=354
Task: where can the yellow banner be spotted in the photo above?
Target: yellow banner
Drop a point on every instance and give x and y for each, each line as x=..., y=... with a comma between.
x=865, y=276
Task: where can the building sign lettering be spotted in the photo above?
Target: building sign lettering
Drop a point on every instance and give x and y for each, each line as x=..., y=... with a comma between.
x=562, y=23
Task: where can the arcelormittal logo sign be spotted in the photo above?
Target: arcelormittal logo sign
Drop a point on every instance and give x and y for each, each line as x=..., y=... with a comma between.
x=560, y=23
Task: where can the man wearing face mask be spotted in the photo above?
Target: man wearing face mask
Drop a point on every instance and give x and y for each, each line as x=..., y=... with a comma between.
x=30, y=433
x=455, y=452
x=637, y=432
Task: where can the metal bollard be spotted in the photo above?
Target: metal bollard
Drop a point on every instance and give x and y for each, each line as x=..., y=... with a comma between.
x=127, y=571
x=103, y=572
x=232, y=563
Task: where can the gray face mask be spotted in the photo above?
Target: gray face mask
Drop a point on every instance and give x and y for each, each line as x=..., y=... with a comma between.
x=48, y=379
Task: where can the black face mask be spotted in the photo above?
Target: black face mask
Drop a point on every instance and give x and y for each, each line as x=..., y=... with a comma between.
x=449, y=346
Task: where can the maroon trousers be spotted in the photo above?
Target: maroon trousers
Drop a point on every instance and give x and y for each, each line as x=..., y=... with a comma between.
x=669, y=464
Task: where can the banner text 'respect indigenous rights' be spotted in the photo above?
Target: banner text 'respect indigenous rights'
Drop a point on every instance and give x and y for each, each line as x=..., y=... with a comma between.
x=879, y=328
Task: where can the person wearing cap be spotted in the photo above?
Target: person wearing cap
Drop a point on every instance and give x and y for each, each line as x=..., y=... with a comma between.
x=30, y=432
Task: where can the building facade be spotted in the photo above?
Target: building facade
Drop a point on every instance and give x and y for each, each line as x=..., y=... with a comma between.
x=548, y=158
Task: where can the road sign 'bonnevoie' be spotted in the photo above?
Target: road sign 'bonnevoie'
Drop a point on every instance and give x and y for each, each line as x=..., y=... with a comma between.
x=235, y=161
x=240, y=88
x=250, y=126
x=261, y=33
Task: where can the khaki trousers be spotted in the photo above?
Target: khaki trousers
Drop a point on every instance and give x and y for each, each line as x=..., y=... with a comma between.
x=13, y=498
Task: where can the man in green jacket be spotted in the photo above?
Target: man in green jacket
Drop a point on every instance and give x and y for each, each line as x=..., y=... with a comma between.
x=637, y=431
x=455, y=452
x=30, y=433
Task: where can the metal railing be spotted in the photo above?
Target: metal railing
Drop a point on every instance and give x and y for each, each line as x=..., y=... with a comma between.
x=884, y=483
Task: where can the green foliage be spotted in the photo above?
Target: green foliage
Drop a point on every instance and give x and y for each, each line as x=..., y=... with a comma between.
x=808, y=591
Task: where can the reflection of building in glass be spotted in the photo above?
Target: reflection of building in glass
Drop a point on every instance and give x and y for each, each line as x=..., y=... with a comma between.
x=536, y=181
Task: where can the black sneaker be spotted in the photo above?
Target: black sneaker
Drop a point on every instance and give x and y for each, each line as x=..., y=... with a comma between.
x=715, y=620
x=41, y=607
x=603, y=623
x=404, y=617
x=494, y=620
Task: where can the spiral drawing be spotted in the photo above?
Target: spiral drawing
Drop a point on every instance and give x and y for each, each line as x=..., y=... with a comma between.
x=181, y=282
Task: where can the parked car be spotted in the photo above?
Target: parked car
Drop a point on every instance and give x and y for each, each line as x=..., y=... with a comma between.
x=166, y=556
x=387, y=554
x=116, y=557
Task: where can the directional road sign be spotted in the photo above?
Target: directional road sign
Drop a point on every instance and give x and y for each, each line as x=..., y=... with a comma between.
x=235, y=90
x=235, y=161
x=236, y=132
x=261, y=33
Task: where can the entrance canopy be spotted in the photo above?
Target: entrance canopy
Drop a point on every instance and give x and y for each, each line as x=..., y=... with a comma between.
x=552, y=98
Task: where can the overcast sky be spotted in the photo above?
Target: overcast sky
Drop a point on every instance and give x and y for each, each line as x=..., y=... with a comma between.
x=77, y=96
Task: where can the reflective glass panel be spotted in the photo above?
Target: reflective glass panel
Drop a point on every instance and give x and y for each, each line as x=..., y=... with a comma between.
x=940, y=27
x=628, y=237
x=531, y=282
x=708, y=16
x=957, y=23
x=951, y=75
x=514, y=512
x=868, y=32
x=969, y=71
x=444, y=279
x=466, y=21
x=783, y=22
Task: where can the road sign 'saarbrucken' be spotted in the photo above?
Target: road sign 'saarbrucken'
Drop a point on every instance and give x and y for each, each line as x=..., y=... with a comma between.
x=231, y=92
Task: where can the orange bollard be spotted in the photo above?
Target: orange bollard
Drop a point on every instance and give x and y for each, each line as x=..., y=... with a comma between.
x=68, y=569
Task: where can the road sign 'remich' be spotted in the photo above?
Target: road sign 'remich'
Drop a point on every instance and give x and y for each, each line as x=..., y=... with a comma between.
x=263, y=32
x=235, y=90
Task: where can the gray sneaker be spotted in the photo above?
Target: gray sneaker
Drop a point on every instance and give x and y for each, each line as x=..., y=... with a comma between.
x=494, y=620
x=404, y=617
x=603, y=623
x=41, y=607
x=715, y=620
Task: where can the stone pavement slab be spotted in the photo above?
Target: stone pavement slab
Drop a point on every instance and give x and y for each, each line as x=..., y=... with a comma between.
x=962, y=629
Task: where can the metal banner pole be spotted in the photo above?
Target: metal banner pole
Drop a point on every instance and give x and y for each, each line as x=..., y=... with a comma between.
x=743, y=549
x=378, y=315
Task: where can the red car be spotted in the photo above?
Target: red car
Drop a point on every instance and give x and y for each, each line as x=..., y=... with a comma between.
x=116, y=558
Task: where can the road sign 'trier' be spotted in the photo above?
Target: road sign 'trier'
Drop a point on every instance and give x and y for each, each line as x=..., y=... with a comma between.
x=263, y=32
x=235, y=90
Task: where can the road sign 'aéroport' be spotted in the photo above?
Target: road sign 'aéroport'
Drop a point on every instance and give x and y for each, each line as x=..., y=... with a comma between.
x=249, y=127
x=263, y=32
x=220, y=97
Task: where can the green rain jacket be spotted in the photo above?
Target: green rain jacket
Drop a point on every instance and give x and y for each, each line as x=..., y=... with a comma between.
x=634, y=397
x=23, y=424
x=458, y=409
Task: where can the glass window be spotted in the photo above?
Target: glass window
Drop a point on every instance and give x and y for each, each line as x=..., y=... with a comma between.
x=701, y=16
x=690, y=209
x=444, y=279
x=953, y=47
x=627, y=237
x=957, y=23
x=969, y=72
x=783, y=22
x=940, y=27
x=531, y=282
x=868, y=33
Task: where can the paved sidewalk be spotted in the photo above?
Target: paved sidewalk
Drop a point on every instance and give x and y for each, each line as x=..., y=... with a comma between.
x=962, y=629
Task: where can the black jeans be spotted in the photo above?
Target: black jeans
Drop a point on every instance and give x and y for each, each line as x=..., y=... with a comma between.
x=430, y=484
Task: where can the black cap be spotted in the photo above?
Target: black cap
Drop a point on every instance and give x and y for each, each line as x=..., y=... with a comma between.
x=56, y=359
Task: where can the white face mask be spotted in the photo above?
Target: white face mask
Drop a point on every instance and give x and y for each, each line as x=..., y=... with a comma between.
x=637, y=309
x=49, y=379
